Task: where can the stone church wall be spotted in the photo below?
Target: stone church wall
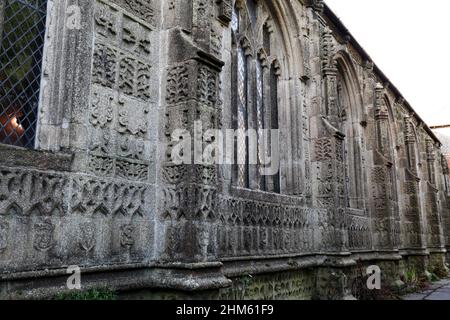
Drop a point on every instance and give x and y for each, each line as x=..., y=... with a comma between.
x=361, y=179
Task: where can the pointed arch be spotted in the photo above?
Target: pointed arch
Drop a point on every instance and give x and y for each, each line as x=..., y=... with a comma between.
x=391, y=154
x=259, y=56
x=412, y=146
x=350, y=112
x=265, y=94
x=349, y=76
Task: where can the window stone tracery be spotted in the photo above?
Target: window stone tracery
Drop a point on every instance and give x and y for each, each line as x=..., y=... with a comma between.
x=255, y=105
x=117, y=200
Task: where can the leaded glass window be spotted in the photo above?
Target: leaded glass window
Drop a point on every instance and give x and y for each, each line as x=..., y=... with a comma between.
x=242, y=118
x=260, y=117
x=235, y=20
x=254, y=95
x=22, y=31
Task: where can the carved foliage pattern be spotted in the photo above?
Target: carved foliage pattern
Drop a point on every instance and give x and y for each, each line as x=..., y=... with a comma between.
x=359, y=236
x=207, y=86
x=42, y=200
x=143, y=9
x=120, y=144
x=189, y=202
x=250, y=228
x=118, y=71
x=323, y=149
x=189, y=101
x=177, y=84
x=92, y=197
x=25, y=193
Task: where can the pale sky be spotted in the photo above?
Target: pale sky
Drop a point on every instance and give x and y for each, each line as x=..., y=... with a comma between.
x=409, y=40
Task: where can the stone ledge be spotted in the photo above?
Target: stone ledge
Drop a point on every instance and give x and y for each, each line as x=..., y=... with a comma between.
x=118, y=280
x=11, y=156
x=281, y=264
x=414, y=252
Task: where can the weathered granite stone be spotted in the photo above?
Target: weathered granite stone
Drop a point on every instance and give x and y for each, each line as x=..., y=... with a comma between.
x=361, y=179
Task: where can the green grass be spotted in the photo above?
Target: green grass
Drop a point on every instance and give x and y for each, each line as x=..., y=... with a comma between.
x=92, y=294
x=411, y=277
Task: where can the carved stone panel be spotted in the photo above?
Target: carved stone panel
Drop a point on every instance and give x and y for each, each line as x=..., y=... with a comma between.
x=44, y=235
x=122, y=140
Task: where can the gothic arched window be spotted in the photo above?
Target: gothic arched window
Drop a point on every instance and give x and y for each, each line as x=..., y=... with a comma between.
x=348, y=116
x=411, y=146
x=22, y=31
x=254, y=96
x=431, y=157
x=384, y=126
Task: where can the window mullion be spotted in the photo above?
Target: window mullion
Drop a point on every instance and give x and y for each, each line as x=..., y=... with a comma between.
x=274, y=121
x=269, y=180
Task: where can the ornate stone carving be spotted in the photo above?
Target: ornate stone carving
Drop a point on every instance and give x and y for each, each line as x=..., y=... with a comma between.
x=102, y=142
x=445, y=166
x=134, y=76
x=133, y=117
x=102, y=112
x=87, y=236
x=136, y=38
x=359, y=236
x=106, y=21
x=225, y=10
x=122, y=64
x=131, y=148
x=328, y=50
x=177, y=84
x=194, y=202
x=201, y=217
x=120, y=145
x=26, y=192
x=127, y=236
x=105, y=66
x=143, y=9
x=44, y=236
x=259, y=228
x=323, y=149
x=216, y=42
x=132, y=171
x=4, y=236
x=174, y=174
x=97, y=197
x=207, y=90
x=134, y=79
x=101, y=165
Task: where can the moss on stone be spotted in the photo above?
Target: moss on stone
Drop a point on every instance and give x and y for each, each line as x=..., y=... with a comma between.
x=92, y=294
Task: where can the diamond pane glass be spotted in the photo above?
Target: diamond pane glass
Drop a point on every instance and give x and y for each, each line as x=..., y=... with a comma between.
x=235, y=20
x=260, y=116
x=22, y=31
x=242, y=118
